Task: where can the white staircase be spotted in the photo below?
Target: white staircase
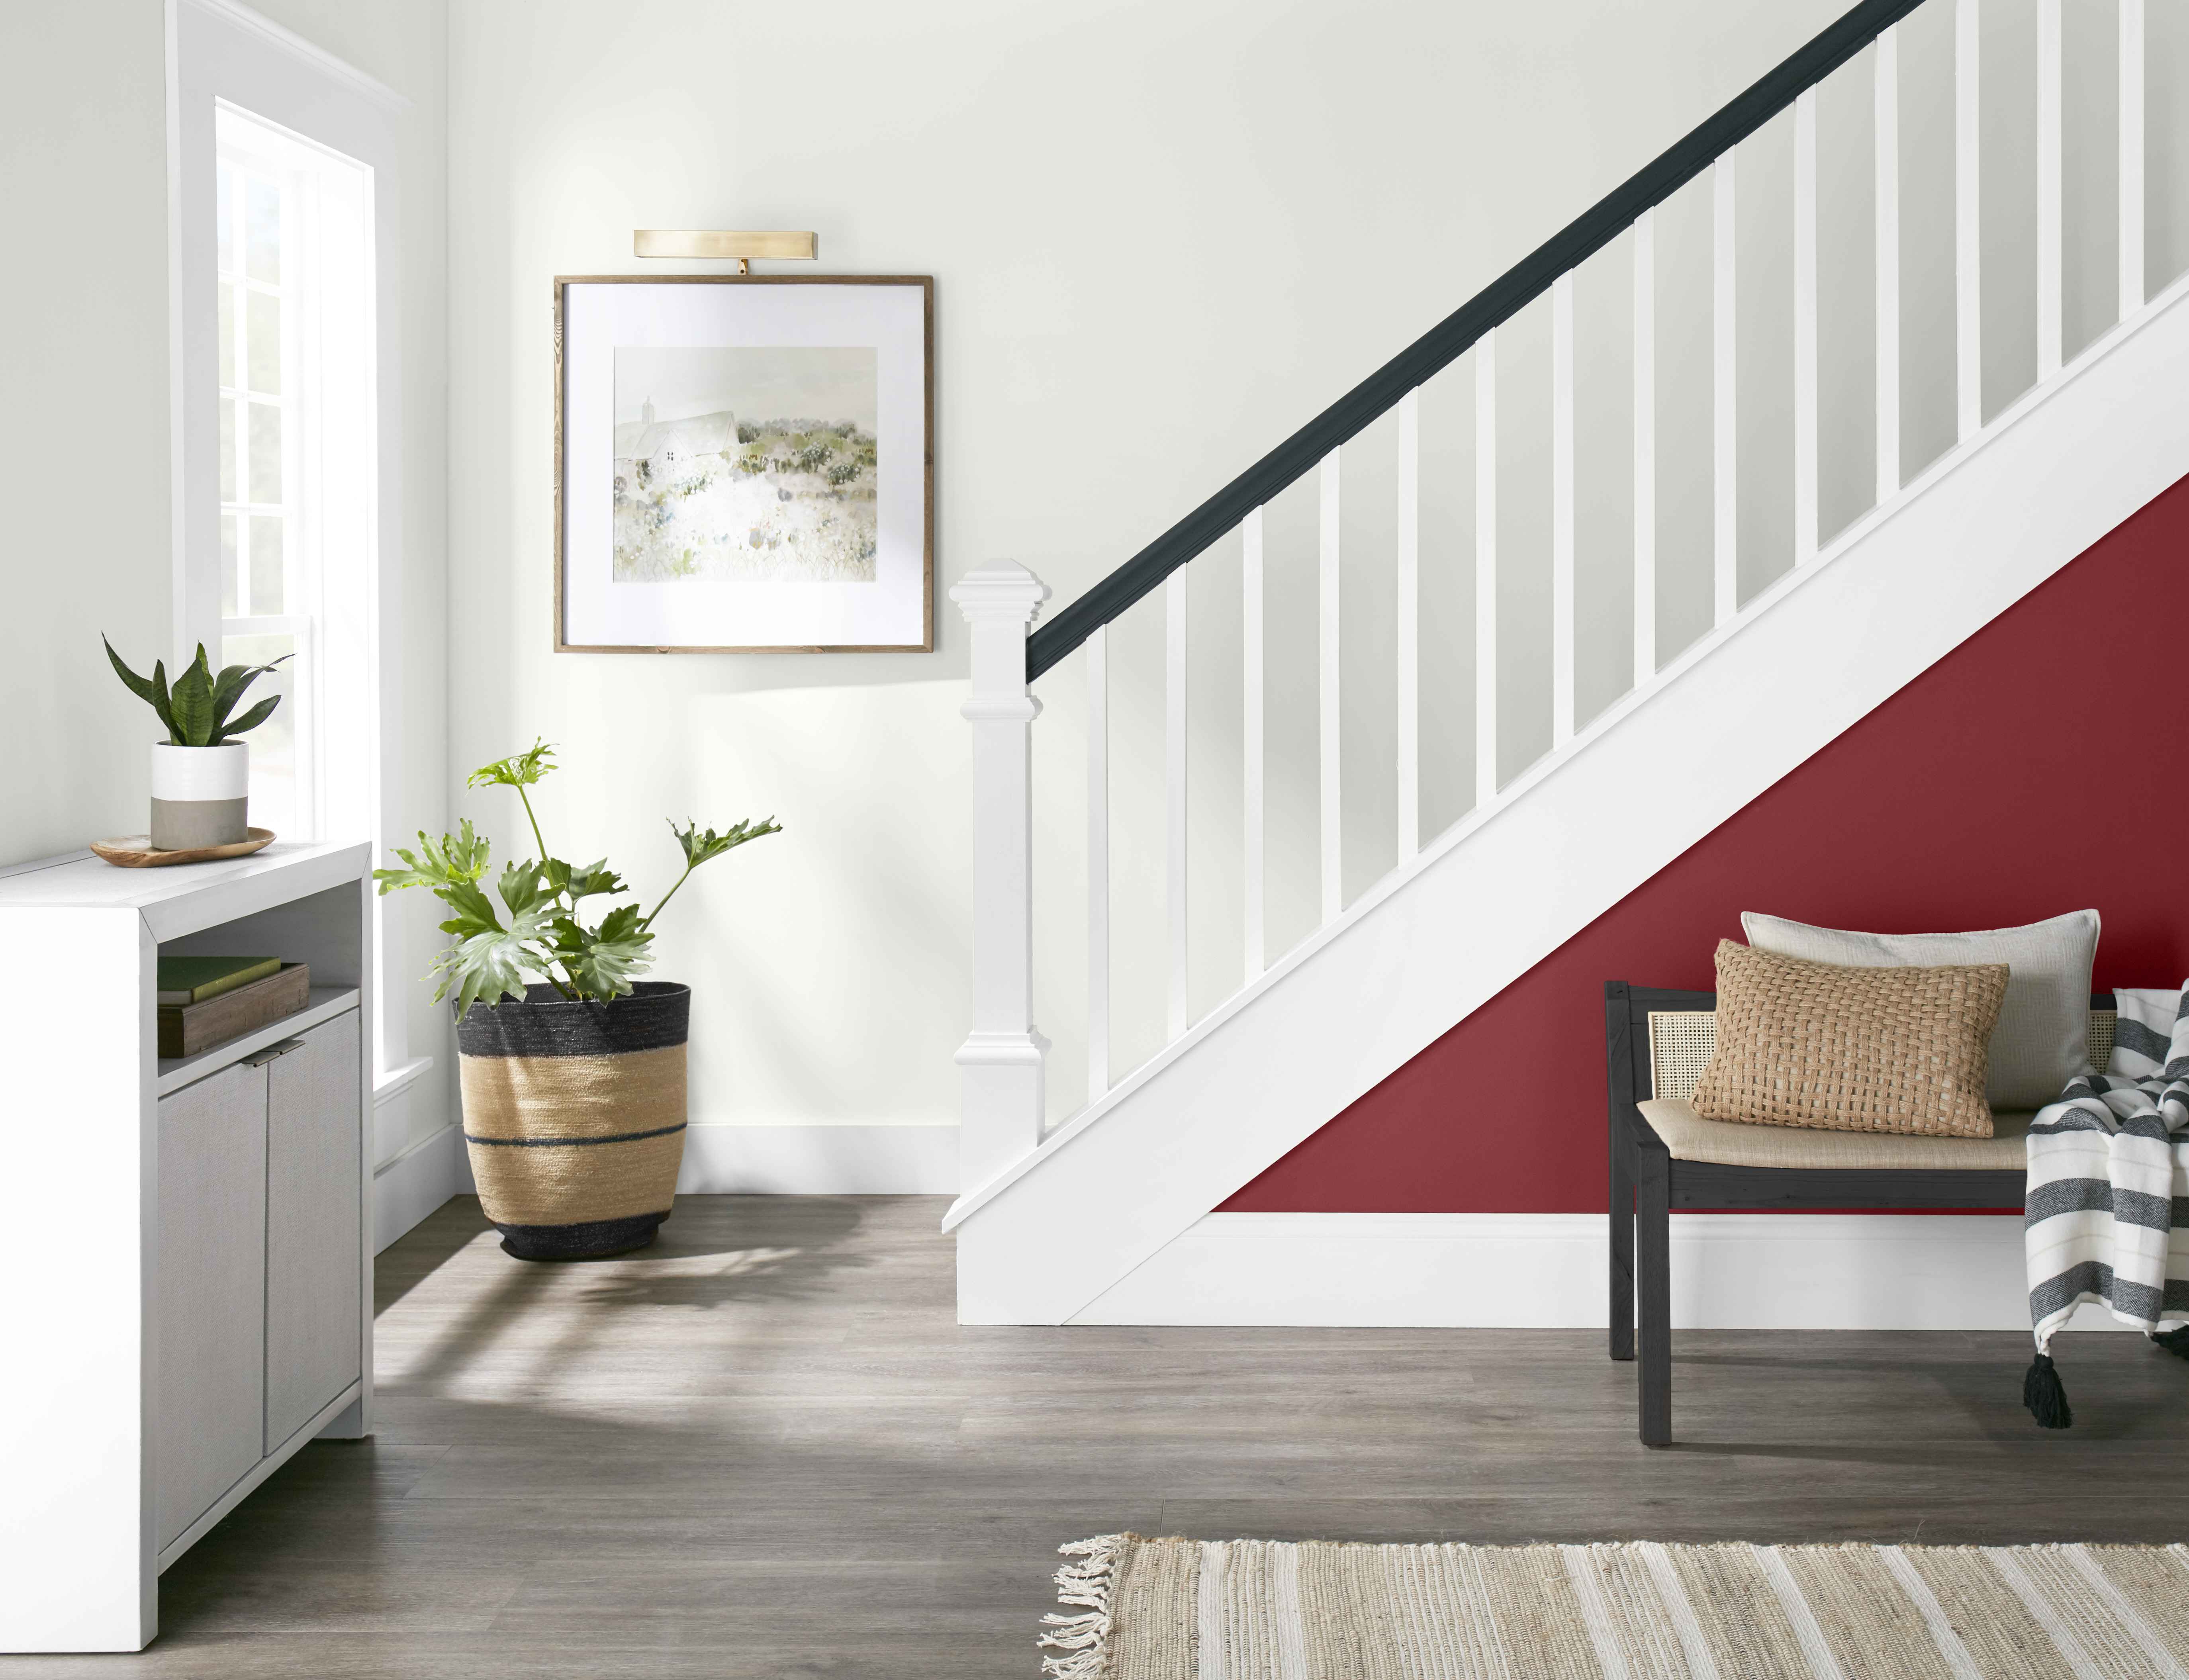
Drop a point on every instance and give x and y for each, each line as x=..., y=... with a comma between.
x=1051, y=1217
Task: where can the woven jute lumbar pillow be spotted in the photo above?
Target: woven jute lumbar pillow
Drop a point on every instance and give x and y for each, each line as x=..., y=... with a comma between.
x=1852, y=1049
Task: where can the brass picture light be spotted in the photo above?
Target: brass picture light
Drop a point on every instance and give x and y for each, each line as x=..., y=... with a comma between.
x=744, y=246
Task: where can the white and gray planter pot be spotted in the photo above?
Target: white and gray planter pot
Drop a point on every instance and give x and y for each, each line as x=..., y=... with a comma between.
x=200, y=795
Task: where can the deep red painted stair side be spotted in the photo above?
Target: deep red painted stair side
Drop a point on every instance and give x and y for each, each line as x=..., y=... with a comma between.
x=2024, y=775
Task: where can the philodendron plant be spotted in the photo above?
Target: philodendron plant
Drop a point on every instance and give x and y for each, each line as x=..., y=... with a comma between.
x=195, y=711
x=543, y=935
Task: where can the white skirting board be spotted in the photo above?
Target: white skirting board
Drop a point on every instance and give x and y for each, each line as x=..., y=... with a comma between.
x=883, y=1158
x=1730, y=1271
x=910, y=1158
x=412, y=1185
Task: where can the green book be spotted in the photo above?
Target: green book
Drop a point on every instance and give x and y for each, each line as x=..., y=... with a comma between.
x=192, y=980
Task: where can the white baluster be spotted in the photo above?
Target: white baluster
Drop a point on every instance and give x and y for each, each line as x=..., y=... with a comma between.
x=1255, y=909
x=1968, y=247
x=1174, y=796
x=1334, y=877
x=1805, y=327
x=1000, y=1087
x=1886, y=158
x=1725, y=482
x=1645, y=447
x=2131, y=173
x=1409, y=624
x=1485, y=569
x=1098, y=861
x=1562, y=510
x=2048, y=188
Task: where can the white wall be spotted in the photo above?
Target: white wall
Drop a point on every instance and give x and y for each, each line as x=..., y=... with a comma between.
x=84, y=532
x=1162, y=237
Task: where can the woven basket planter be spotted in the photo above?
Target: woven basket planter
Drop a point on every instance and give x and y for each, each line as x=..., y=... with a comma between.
x=574, y=1115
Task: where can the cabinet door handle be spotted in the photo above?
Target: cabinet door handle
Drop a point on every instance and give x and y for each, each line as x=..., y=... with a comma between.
x=274, y=1052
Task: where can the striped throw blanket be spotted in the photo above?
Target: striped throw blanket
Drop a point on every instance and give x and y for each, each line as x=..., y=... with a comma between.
x=2109, y=1187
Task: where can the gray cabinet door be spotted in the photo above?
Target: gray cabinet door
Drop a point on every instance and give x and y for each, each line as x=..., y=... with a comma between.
x=212, y=1291
x=314, y=1232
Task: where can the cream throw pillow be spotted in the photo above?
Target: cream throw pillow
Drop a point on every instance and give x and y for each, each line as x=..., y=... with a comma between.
x=2043, y=1039
x=1851, y=1050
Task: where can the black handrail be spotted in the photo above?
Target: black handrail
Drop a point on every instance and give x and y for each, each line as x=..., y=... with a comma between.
x=1451, y=338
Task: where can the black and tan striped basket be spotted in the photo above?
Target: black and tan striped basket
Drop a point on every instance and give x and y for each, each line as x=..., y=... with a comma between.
x=573, y=1114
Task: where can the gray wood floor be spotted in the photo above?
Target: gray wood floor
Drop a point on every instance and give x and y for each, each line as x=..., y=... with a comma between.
x=763, y=1448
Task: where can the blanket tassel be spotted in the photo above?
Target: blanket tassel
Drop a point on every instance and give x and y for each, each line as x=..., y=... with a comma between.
x=2042, y=1393
x=2174, y=1341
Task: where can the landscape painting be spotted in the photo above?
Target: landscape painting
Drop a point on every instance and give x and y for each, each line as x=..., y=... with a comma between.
x=737, y=465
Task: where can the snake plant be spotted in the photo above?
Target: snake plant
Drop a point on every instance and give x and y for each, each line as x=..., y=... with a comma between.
x=195, y=710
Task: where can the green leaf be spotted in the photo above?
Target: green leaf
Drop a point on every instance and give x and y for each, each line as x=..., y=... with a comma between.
x=601, y=961
x=192, y=700
x=163, y=703
x=699, y=844
x=459, y=858
x=521, y=770
x=595, y=878
x=474, y=910
x=467, y=852
x=140, y=687
x=228, y=688
x=153, y=693
x=523, y=885
x=250, y=721
x=488, y=960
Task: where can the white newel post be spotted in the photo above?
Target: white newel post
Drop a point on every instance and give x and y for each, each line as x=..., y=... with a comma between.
x=1000, y=1093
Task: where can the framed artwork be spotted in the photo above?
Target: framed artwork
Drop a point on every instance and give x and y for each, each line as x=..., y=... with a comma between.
x=744, y=464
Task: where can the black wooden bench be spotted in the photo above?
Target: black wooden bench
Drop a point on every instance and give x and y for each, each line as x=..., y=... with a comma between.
x=1676, y=1160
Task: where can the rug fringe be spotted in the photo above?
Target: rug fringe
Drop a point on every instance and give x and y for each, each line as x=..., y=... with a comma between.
x=1085, y=1637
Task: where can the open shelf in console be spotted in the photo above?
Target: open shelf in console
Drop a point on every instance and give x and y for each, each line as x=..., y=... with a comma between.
x=319, y=928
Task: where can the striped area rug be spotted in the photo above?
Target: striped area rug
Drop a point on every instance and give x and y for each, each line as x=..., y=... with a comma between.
x=1254, y=1610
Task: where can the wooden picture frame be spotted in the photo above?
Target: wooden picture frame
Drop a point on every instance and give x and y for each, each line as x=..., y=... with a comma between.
x=750, y=532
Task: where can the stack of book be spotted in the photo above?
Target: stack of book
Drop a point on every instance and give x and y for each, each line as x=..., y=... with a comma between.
x=206, y=1001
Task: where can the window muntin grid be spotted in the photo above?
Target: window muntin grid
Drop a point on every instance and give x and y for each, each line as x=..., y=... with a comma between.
x=262, y=277
x=254, y=264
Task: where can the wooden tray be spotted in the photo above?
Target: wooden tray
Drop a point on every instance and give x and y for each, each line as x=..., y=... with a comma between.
x=188, y=1028
x=135, y=852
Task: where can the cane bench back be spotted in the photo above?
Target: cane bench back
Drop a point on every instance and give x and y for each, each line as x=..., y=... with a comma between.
x=1680, y=1041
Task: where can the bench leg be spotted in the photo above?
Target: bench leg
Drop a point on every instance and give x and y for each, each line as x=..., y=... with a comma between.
x=1654, y=1275
x=1622, y=1254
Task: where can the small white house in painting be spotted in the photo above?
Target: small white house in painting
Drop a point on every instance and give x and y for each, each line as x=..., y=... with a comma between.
x=661, y=445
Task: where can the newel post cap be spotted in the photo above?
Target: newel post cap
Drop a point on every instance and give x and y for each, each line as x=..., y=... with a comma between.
x=999, y=589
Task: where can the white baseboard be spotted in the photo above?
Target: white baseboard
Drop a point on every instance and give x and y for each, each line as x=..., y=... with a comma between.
x=411, y=1185
x=721, y=1159
x=1730, y=1271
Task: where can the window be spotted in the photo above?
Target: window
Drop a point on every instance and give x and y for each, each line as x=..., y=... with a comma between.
x=298, y=492
x=264, y=396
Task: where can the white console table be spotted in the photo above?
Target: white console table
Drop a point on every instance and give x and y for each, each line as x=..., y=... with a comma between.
x=188, y=1299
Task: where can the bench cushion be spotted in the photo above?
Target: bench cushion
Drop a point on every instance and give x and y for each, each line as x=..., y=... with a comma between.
x=1731, y=1143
